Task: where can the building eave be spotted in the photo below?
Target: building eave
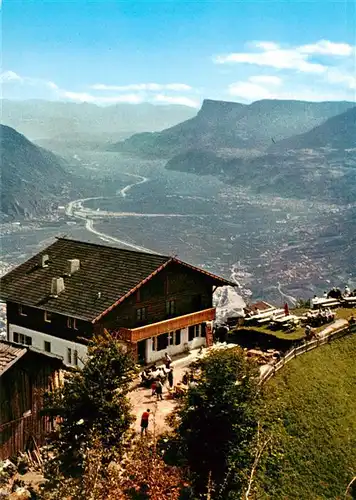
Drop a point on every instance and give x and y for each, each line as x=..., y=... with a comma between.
x=215, y=277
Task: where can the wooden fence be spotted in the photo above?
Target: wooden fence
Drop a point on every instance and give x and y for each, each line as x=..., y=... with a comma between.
x=305, y=347
x=24, y=433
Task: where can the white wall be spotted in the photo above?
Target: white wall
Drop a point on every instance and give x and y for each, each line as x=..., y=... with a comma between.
x=152, y=356
x=58, y=346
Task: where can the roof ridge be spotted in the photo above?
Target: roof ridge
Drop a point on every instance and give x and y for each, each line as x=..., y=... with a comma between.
x=112, y=247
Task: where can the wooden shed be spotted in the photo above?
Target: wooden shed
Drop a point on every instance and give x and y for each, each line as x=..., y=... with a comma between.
x=25, y=375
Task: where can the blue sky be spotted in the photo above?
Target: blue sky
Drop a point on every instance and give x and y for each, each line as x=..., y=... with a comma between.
x=178, y=51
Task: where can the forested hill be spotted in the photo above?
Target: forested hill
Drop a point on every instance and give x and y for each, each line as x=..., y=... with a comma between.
x=337, y=132
x=31, y=177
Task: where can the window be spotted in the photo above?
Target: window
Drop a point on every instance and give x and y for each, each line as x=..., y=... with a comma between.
x=193, y=332
x=141, y=314
x=170, y=307
x=20, y=338
x=177, y=337
x=72, y=323
x=162, y=341
x=28, y=340
x=47, y=346
x=47, y=316
x=22, y=311
x=69, y=356
x=197, y=302
x=75, y=358
x=174, y=338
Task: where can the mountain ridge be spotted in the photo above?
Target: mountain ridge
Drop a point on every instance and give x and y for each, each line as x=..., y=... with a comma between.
x=32, y=177
x=337, y=132
x=320, y=165
x=224, y=125
x=39, y=119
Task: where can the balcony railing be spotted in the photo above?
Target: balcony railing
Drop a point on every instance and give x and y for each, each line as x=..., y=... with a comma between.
x=168, y=325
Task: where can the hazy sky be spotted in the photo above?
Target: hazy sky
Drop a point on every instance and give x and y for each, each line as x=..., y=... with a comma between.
x=178, y=51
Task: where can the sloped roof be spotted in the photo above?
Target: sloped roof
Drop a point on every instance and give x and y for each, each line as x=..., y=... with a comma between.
x=9, y=354
x=112, y=271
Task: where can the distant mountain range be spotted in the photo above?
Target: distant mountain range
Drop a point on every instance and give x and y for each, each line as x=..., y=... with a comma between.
x=232, y=129
x=319, y=164
x=32, y=178
x=64, y=123
x=285, y=148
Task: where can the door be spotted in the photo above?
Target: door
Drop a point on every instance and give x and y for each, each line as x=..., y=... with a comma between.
x=141, y=352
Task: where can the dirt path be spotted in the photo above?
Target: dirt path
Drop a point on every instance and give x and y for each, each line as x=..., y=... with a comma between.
x=141, y=398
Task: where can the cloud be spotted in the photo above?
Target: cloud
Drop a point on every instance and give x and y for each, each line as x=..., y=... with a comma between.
x=256, y=88
x=131, y=94
x=265, y=45
x=268, y=79
x=273, y=56
x=336, y=76
x=297, y=58
x=325, y=47
x=85, y=97
x=331, y=66
x=183, y=100
x=10, y=76
x=154, y=87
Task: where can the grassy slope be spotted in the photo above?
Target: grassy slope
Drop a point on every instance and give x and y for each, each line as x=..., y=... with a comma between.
x=313, y=406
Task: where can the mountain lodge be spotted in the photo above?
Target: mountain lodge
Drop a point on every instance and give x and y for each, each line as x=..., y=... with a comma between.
x=58, y=299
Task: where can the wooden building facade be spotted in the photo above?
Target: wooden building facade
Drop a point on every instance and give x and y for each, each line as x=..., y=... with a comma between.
x=65, y=294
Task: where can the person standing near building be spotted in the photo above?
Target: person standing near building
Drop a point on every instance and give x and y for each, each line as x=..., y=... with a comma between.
x=144, y=421
x=159, y=390
x=170, y=378
x=167, y=360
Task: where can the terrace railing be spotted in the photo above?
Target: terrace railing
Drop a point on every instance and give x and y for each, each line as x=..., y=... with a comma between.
x=305, y=347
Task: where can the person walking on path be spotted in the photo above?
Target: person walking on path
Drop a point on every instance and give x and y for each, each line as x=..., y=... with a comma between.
x=159, y=390
x=170, y=378
x=144, y=421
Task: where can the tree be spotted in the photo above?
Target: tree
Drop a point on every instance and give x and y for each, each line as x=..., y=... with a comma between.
x=140, y=474
x=92, y=402
x=217, y=422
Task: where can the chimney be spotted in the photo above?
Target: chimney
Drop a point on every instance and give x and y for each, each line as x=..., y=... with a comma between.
x=57, y=286
x=73, y=265
x=45, y=261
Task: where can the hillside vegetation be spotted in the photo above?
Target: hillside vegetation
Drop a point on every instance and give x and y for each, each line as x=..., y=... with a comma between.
x=31, y=177
x=312, y=405
x=337, y=132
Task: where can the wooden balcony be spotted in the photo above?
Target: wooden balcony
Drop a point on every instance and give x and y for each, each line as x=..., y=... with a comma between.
x=168, y=325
